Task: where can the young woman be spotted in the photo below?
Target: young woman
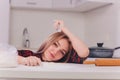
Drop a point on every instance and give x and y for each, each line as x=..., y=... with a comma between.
x=61, y=46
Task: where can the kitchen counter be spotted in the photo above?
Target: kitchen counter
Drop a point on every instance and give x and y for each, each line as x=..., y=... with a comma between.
x=61, y=71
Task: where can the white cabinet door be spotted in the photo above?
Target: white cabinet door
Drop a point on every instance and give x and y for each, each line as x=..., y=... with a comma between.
x=79, y=5
x=31, y=3
x=4, y=21
x=87, y=5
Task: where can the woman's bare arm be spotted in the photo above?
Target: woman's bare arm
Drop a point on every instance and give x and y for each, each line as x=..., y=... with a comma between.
x=78, y=45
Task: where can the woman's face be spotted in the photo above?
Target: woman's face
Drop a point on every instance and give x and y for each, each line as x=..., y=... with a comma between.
x=56, y=51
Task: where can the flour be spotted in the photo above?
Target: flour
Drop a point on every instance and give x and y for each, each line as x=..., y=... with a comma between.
x=8, y=56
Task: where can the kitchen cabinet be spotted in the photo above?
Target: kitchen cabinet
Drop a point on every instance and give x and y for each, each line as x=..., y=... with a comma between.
x=88, y=5
x=4, y=21
x=65, y=5
x=44, y=4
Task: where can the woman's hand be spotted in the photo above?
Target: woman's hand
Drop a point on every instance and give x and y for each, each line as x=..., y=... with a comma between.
x=59, y=24
x=29, y=61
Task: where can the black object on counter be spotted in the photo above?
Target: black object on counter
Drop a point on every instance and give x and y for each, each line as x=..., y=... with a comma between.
x=101, y=52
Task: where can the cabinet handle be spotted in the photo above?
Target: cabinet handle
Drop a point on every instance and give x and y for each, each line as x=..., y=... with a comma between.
x=31, y=3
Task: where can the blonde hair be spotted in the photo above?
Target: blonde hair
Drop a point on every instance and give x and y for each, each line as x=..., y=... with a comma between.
x=52, y=39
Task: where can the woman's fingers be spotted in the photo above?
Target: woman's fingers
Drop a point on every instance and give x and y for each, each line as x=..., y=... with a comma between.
x=32, y=61
x=38, y=61
x=58, y=24
x=35, y=61
x=26, y=62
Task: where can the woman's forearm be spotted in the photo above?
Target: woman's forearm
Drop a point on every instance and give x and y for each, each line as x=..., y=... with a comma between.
x=79, y=46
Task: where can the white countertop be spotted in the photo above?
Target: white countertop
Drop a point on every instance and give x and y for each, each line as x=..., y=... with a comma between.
x=62, y=71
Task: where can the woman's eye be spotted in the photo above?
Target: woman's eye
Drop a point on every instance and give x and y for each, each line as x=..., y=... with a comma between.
x=62, y=53
x=55, y=44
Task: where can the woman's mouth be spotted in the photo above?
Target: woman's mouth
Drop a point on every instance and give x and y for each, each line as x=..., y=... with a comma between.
x=52, y=55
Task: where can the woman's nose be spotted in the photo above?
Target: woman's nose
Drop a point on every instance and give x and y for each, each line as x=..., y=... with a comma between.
x=56, y=50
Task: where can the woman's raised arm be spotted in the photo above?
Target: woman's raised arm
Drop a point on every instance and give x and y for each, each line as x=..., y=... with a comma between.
x=78, y=45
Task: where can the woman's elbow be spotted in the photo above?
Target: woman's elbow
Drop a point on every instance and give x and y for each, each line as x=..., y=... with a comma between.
x=84, y=53
x=87, y=52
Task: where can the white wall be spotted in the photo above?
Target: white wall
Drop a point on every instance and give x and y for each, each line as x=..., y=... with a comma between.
x=4, y=21
x=118, y=24
x=101, y=26
x=40, y=24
